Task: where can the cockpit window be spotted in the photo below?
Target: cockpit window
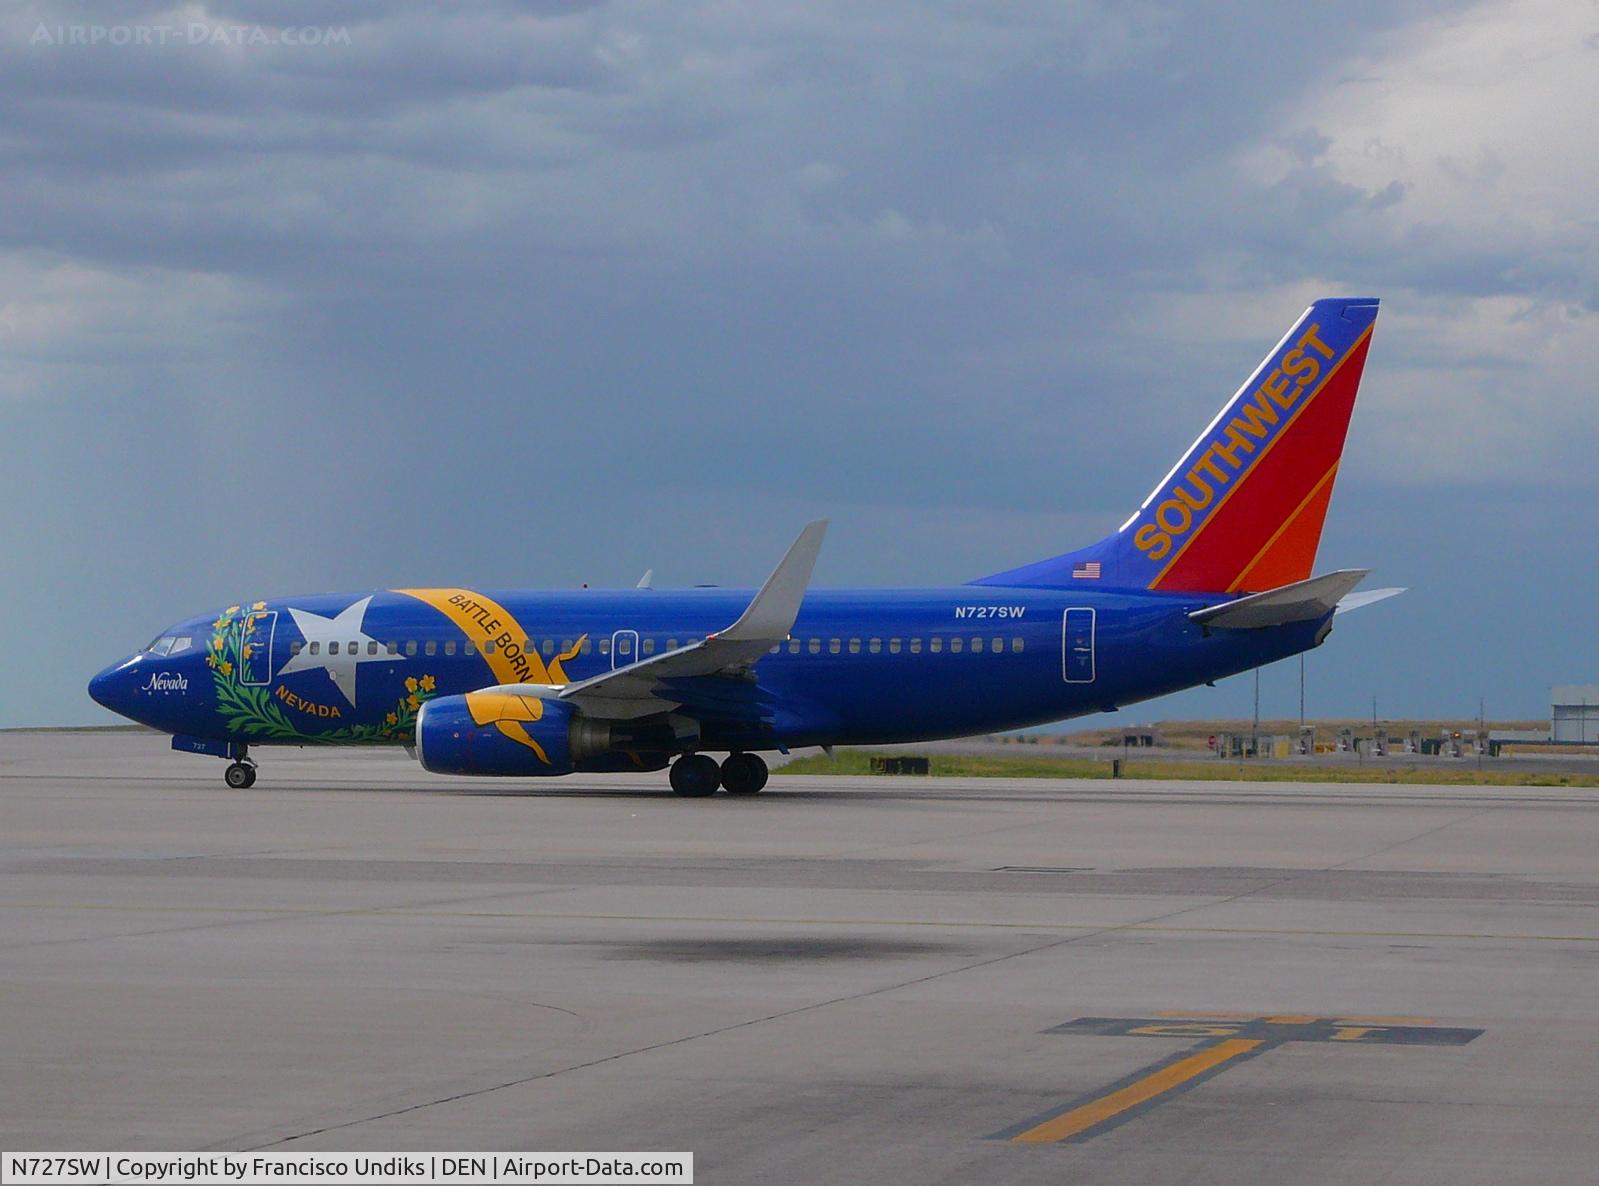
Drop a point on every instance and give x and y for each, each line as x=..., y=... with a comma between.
x=161, y=645
x=180, y=644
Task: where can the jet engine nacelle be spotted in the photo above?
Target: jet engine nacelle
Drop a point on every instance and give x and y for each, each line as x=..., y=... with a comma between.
x=518, y=730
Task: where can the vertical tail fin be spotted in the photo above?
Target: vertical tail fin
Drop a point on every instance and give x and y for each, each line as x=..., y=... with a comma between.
x=1243, y=508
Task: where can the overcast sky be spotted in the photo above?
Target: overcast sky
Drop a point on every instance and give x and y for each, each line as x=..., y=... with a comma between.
x=529, y=295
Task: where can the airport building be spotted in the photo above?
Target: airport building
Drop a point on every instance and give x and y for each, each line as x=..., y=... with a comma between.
x=1574, y=714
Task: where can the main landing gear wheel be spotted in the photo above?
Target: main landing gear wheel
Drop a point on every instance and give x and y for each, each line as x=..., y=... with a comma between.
x=743, y=774
x=240, y=776
x=694, y=776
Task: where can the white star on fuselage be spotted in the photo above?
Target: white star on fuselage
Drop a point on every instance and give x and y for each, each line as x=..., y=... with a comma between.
x=326, y=633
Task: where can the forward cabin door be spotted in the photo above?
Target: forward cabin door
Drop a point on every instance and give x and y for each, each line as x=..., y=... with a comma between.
x=257, y=632
x=1077, y=646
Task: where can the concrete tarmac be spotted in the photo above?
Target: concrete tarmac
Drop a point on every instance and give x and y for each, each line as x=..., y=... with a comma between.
x=837, y=981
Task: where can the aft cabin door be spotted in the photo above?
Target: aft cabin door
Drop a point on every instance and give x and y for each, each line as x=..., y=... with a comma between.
x=624, y=648
x=1077, y=646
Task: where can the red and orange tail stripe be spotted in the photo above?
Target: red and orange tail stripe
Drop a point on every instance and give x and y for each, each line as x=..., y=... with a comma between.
x=1244, y=508
x=1265, y=528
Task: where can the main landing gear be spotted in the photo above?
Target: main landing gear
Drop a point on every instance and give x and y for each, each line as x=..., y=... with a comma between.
x=695, y=776
x=240, y=775
x=743, y=774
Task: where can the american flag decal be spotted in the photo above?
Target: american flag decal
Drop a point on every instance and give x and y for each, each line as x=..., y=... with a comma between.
x=1086, y=572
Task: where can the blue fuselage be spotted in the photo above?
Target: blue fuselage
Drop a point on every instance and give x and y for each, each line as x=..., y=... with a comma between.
x=861, y=666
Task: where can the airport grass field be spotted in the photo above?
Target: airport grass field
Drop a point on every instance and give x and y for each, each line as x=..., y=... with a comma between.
x=858, y=762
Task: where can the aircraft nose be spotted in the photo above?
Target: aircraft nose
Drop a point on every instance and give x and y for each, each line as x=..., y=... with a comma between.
x=110, y=688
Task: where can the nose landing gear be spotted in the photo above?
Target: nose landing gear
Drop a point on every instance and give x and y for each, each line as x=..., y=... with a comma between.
x=240, y=775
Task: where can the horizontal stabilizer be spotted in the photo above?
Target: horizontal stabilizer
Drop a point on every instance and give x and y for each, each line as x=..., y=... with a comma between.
x=1302, y=601
x=1365, y=598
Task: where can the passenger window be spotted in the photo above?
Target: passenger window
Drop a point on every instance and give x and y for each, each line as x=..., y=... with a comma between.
x=624, y=646
x=316, y=648
x=468, y=647
x=333, y=648
x=449, y=647
x=1015, y=646
x=893, y=646
x=877, y=646
x=977, y=645
x=776, y=646
x=854, y=646
x=671, y=644
x=935, y=645
x=815, y=646
x=295, y=646
x=649, y=646
x=394, y=648
x=997, y=645
x=549, y=646
x=588, y=645
x=410, y=646
x=430, y=647
x=372, y=648
x=793, y=646
x=834, y=646
x=605, y=646
x=955, y=645
x=916, y=646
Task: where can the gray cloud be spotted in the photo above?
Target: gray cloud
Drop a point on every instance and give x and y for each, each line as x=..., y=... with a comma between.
x=964, y=276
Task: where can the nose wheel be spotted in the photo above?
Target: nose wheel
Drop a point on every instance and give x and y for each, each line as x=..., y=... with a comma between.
x=240, y=775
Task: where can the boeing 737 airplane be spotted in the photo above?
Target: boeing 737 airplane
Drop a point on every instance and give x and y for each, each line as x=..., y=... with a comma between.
x=1211, y=576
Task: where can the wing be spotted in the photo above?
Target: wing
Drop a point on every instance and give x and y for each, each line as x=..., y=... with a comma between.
x=712, y=676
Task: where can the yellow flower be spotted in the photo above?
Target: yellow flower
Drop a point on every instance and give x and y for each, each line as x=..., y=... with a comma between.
x=211, y=660
x=248, y=648
x=216, y=644
x=410, y=683
x=393, y=718
x=410, y=702
x=259, y=605
x=232, y=609
x=427, y=683
x=219, y=624
x=227, y=668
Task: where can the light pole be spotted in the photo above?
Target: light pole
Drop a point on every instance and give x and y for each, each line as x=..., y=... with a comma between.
x=1254, y=729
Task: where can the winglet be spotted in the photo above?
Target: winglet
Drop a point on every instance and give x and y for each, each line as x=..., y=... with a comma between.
x=770, y=614
x=647, y=581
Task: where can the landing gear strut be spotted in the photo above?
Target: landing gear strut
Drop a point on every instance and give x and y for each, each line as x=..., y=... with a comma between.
x=240, y=775
x=743, y=774
x=694, y=776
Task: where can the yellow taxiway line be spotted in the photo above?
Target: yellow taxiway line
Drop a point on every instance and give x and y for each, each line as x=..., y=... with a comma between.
x=1096, y=1112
